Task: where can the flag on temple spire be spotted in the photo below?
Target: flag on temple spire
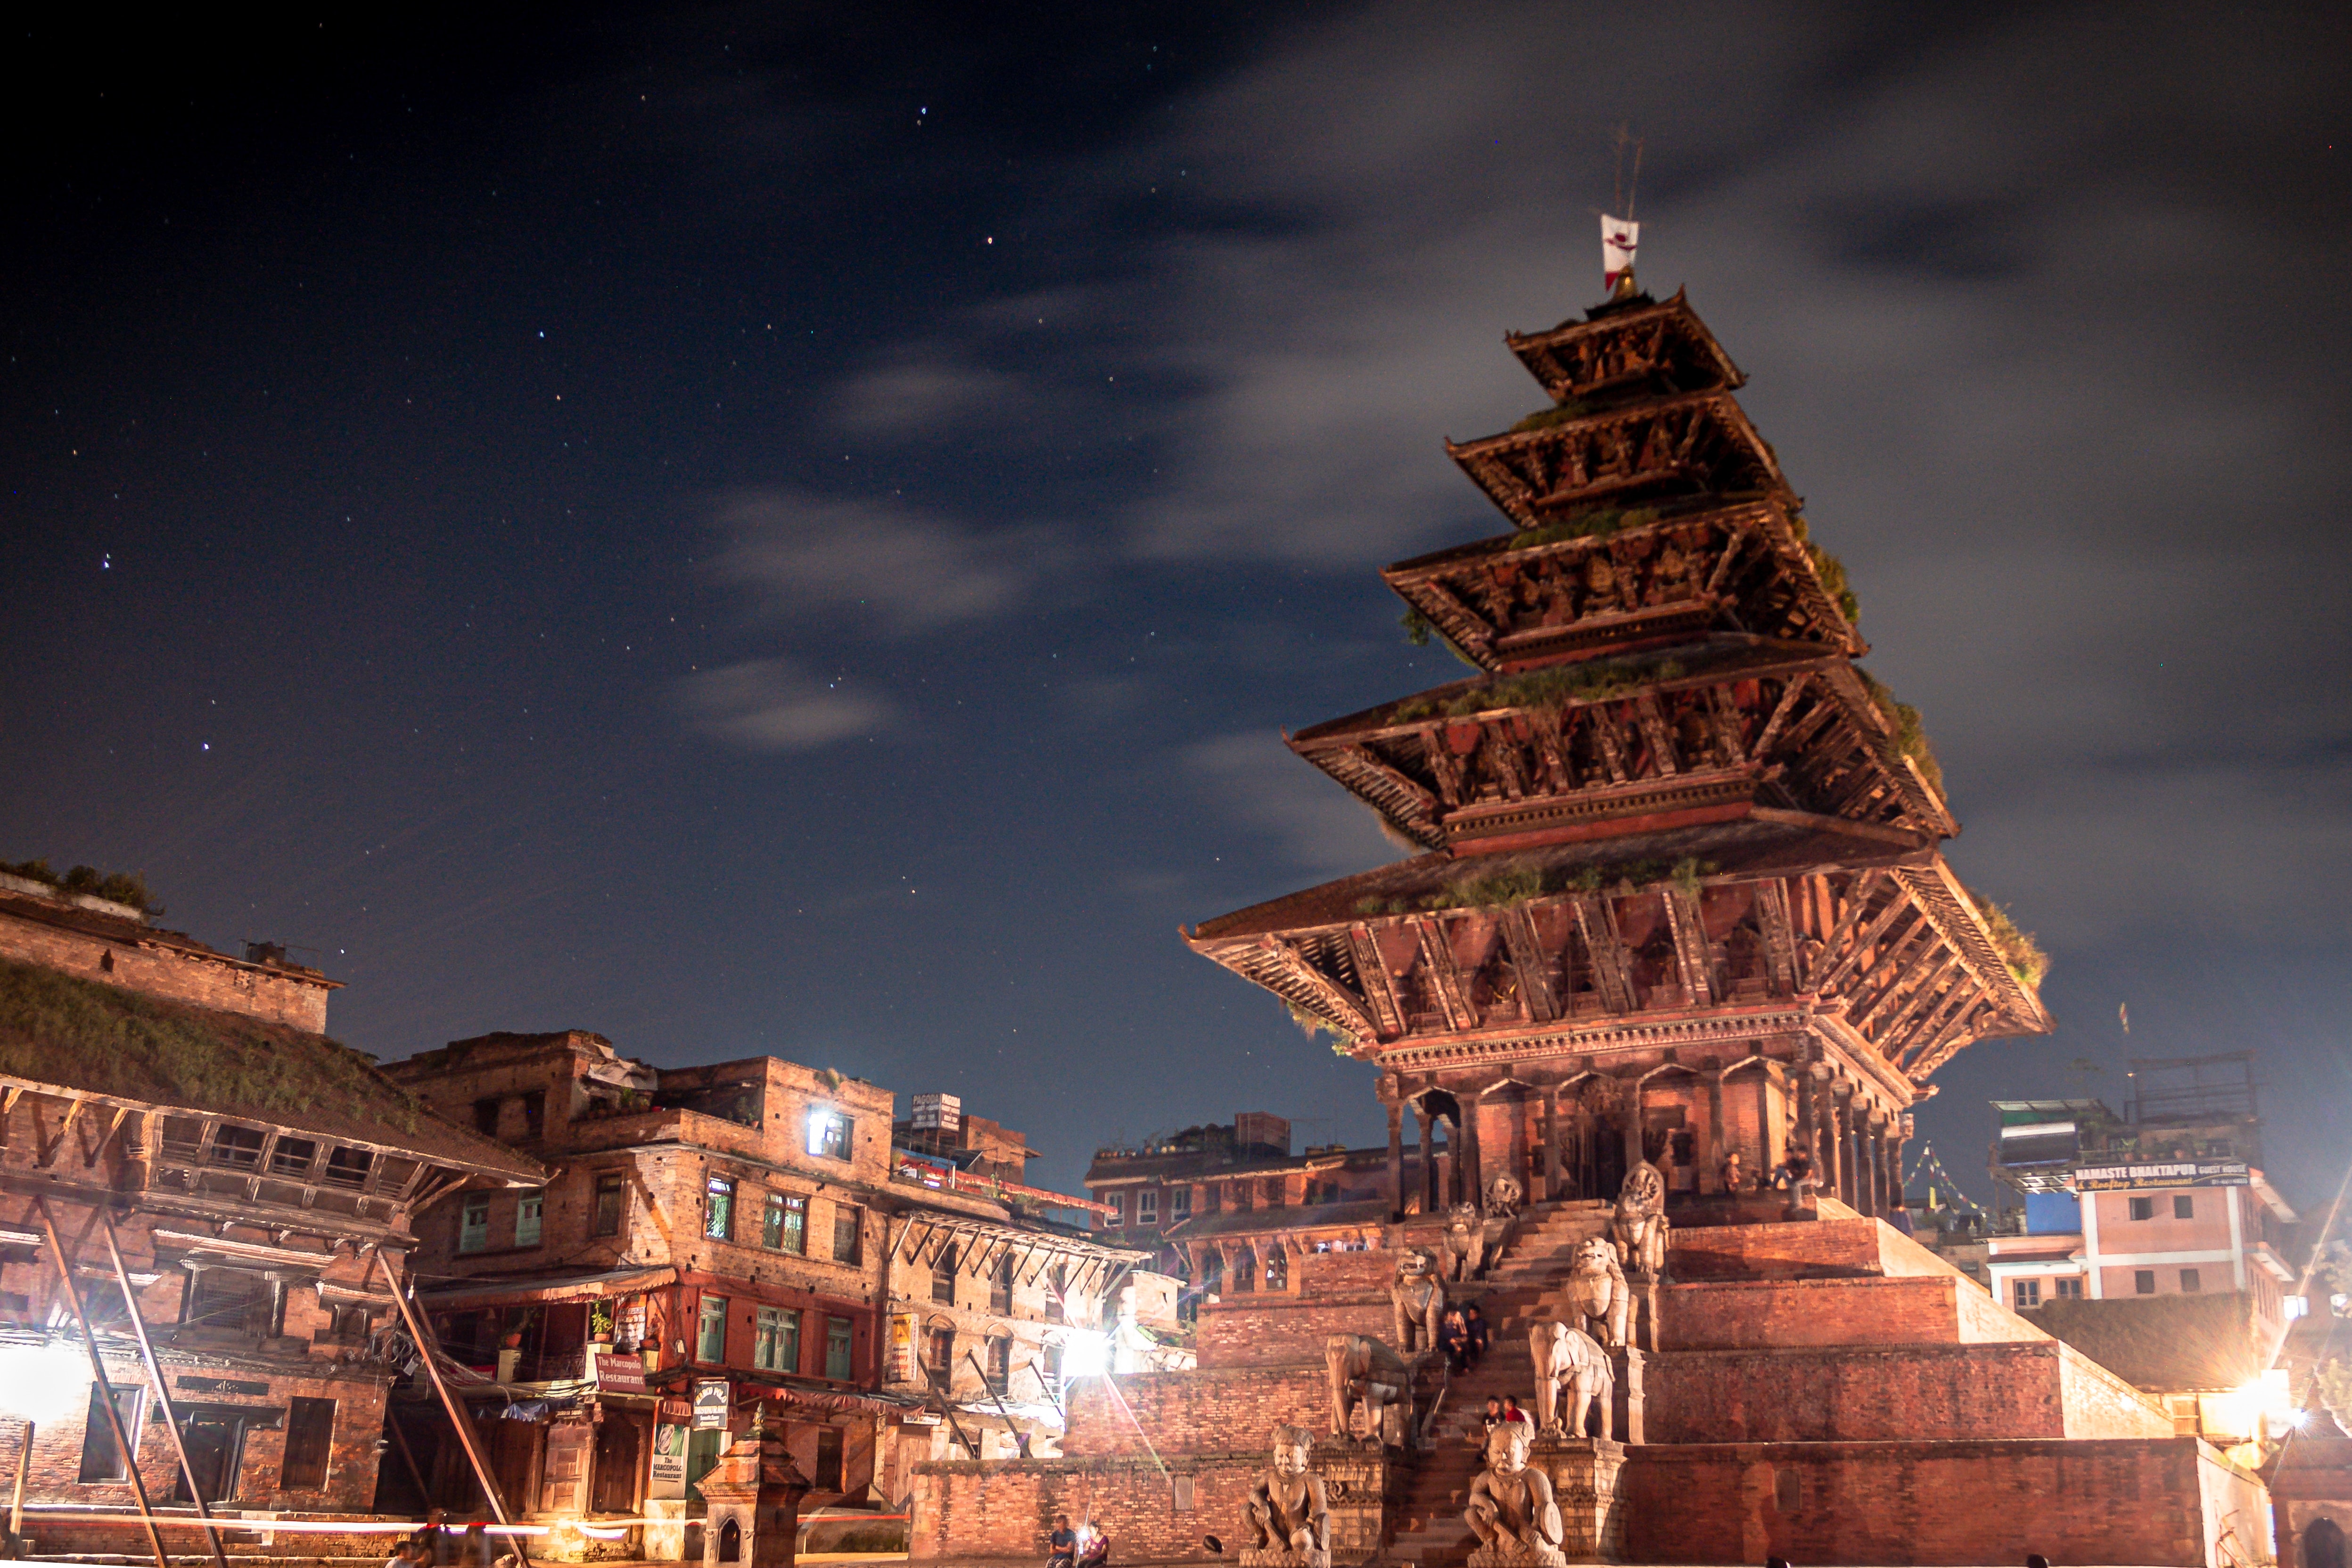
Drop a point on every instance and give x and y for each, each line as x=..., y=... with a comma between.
x=1618, y=238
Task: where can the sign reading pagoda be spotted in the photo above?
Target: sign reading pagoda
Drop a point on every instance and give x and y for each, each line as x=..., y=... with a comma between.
x=1682, y=894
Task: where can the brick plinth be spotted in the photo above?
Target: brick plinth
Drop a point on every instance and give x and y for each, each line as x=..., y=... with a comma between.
x=1002, y=1511
x=1870, y=1394
x=2168, y=1500
x=1194, y=1412
x=1760, y=1315
x=1269, y=1330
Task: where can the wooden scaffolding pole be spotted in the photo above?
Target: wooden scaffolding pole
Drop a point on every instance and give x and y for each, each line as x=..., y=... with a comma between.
x=162, y=1395
x=428, y=1352
x=106, y=1390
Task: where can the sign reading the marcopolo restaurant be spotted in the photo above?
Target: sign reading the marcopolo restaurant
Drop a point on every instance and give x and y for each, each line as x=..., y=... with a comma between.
x=2170, y=1173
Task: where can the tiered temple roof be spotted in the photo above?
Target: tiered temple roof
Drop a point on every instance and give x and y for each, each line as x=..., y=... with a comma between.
x=1672, y=809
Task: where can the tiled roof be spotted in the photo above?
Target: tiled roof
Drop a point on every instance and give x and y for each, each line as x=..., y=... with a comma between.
x=2162, y=1343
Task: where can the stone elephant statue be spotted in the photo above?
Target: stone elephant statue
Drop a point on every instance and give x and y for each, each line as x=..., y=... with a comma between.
x=1571, y=1374
x=1367, y=1377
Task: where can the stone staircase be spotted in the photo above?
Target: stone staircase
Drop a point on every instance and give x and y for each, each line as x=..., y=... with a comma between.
x=1522, y=1287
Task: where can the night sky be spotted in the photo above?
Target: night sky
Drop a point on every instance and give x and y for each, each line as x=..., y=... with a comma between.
x=796, y=529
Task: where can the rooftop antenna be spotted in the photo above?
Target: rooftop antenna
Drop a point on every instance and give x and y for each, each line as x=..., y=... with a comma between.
x=1618, y=236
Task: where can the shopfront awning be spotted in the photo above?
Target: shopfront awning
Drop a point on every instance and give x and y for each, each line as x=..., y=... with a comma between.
x=542, y=1289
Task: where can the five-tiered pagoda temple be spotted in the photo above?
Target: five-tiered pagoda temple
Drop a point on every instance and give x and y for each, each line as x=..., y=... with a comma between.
x=1681, y=893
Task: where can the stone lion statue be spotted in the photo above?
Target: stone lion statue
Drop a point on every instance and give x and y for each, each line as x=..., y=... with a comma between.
x=1371, y=1382
x=1596, y=1298
x=1571, y=1372
x=1417, y=1295
x=1289, y=1511
x=1504, y=1196
x=1640, y=1225
x=1511, y=1510
x=1465, y=1241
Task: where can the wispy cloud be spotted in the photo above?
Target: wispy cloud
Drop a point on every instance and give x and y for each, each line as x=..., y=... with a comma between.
x=878, y=566
x=1315, y=825
x=929, y=388
x=770, y=704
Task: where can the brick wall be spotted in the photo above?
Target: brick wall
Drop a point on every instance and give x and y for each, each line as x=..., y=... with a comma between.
x=2079, y=1502
x=1826, y=1247
x=1760, y=1315
x=1195, y=1412
x=1913, y=1392
x=1325, y=1274
x=2101, y=1404
x=202, y=979
x=966, y=1511
x=1262, y=1330
x=359, y=1396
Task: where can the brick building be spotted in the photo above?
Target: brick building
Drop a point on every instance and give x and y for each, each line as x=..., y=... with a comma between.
x=709, y=1228
x=1228, y=1205
x=217, y=1169
x=725, y=1239
x=994, y=1288
x=2152, y=1241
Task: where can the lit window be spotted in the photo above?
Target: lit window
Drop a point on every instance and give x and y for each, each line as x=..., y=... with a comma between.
x=785, y=1227
x=528, y=1214
x=837, y=1349
x=776, y=1346
x=710, y=1329
x=719, y=1209
x=1147, y=1207
x=2295, y=1306
x=828, y=1134
x=473, y=1226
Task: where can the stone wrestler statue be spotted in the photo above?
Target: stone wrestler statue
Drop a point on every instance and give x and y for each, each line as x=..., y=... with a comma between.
x=1288, y=1512
x=1512, y=1510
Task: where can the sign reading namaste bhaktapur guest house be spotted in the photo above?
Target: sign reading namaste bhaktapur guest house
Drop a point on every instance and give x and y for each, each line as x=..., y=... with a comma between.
x=2168, y=1173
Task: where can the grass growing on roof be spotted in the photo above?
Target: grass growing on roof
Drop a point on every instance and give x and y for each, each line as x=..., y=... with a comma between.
x=1596, y=682
x=1831, y=571
x=1507, y=887
x=1558, y=414
x=55, y=1028
x=1910, y=733
x=2017, y=949
x=116, y=886
x=1599, y=523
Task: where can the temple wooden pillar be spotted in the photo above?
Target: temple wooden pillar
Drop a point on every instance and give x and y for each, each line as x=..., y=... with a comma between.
x=1551, y=1145
x=1635, y=1152
x=1866, y=1163
x=1809, y=1131
x=1898, y=1135
x=1423, y=1115
x=1833, y=1167
x=1396, y=1160
x=1710, y=1178
x=1469, y=1186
